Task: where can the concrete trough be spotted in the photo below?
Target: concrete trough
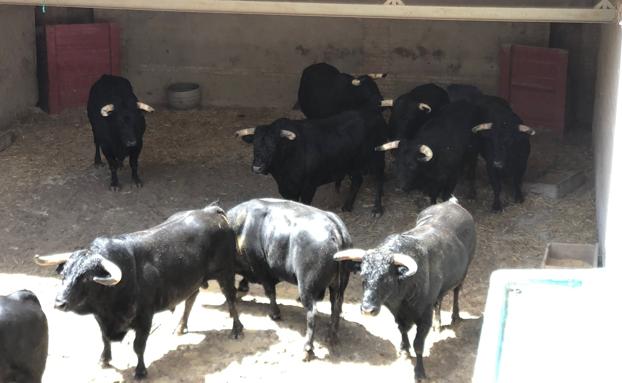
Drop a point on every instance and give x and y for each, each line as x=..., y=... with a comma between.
x=557, y=184
x=570, y=255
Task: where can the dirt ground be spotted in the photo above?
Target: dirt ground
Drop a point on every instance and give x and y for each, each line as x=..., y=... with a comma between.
x=53, y=199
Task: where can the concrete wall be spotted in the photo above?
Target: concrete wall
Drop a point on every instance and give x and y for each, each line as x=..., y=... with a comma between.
x=607, y=133
x=18, y=81
x=257, y=60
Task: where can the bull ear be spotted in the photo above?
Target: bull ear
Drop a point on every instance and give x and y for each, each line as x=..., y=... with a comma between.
x=288, y=134
x=407, y=264
x=526, y=129
x=355, y=255
x=114, y=273
x=106, y=109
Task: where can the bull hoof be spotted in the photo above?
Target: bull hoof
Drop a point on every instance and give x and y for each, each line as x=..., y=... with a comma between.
x=404, y=354
x=243, y=286
x=138, y=183
x=115, y=188
x=519, y=199
x=346, y=208
x=237, y=331
x=377, y=212
x=181, y=330
x=140, y=374
x=98, y=164
x=308, y=355
x=104, y=363
x=420, y=374
x=455, y=320
x=275, y=316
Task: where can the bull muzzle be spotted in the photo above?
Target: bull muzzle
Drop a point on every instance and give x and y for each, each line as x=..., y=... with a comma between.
x=60, y=304
x=131, y=144
x=498, y=164
x=259, y=170
x=370, y=310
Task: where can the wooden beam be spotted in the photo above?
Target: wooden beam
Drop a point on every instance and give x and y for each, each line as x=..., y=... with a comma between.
x=413, y=12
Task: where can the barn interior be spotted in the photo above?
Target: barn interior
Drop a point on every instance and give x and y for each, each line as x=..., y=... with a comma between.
x=248, y=67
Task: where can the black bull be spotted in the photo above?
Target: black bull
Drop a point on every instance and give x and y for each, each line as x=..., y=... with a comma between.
x=124, y=280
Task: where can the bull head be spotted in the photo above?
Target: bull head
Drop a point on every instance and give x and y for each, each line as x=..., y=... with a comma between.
x=526, y=129
x=388, y=146
x=425, y=107
x=427, y=153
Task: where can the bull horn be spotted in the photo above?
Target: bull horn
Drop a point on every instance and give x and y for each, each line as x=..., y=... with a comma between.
x=388, y=146
x=113, y=270
x=106, y=109
x=377, y=76
x=52, y=259
x=245, y=132
x=406, y=261
x=288, y=134
x=426, y=107
x=427, y=152
x=480, y=127
x=355, y=255
x=356, y=82
x=145, y=107
x=386, y=103
x=526, y=129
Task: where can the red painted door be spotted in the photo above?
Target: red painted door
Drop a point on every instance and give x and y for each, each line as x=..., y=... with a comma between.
x=533, y=80
x=77, y=55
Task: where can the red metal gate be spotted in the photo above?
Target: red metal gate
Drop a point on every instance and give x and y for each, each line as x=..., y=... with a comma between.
x=533, y=80
x=77, y=55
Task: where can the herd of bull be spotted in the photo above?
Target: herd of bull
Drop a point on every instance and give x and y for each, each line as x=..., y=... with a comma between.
x=124, y=280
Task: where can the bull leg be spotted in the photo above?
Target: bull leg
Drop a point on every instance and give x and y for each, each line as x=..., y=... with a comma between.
x=495, y=182
x=243, y=286
x=405, y=344
x=270, y=290
x=336, y=291
x=227, y=286
x=140, y=342
x=309, y=304
x=98, y=158
x=106, y=356
x=356, y=180
x=378, y=210
x=113, y=165
x=134, y=153
x=470, y=166
x=518, y=181
x=423, y=327
x=307, y=194
x=455, y=312
x=436, y=323
x=182, y=328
